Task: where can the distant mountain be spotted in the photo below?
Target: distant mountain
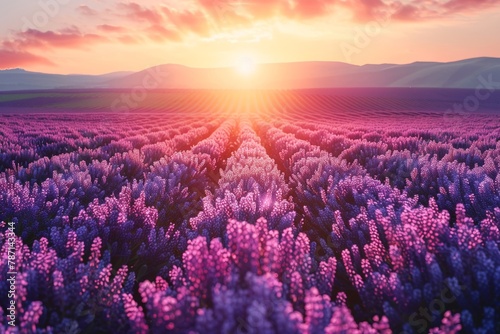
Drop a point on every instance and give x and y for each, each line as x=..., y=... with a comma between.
x=458, y=74
x=301, y=75
x=274, y=76
x=19, y=79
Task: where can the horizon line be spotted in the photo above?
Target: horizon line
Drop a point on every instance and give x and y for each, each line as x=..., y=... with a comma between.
x=257, y=63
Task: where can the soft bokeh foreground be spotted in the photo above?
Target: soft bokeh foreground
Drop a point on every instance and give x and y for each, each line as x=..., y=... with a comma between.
x=229, y=214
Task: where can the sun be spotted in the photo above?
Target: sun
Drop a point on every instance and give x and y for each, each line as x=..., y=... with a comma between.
x=246, y=66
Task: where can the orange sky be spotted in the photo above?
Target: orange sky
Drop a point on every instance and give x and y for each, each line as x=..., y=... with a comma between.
x=100, y=36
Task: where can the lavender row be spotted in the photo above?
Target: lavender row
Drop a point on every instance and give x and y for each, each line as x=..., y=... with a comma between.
x=135, y=240
x=250, y=187
x=383, y=236
x=451, y=167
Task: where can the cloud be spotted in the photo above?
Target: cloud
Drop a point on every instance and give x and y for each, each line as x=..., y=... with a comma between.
x=159, y=33
x=187, y=21
x=136, y=12
x=36, y=39
x=21, y=49
x=110, y=28
x=361, y=10
x=212, y=17
x=230, y=13
x=455, y=6
x=415, y=10
x=12, y=58
x=87, y=11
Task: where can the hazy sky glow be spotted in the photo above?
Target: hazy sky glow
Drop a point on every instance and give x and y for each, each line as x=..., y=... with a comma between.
x=99, y=36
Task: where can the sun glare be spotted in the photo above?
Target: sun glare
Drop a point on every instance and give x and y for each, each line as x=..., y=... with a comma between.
x=246, y=66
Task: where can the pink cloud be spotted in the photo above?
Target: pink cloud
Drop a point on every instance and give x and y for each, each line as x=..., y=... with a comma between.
x=159, y=33
x=208, y=16
x=12, y=58
x=87, y=11
x=414, y=10
x=19, y=50
x=163, y=23
x=187, y=21
x=110, y=28
x=136, y=12
x=464, y=5
x=362, y=10
x=36, y=39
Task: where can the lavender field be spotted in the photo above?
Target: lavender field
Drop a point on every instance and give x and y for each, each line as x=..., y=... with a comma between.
x=258, y=212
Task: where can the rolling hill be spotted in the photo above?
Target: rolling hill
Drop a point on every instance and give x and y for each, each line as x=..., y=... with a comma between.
x=467, y=73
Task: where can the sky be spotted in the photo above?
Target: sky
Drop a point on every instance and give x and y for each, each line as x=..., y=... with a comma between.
x=102, y=36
